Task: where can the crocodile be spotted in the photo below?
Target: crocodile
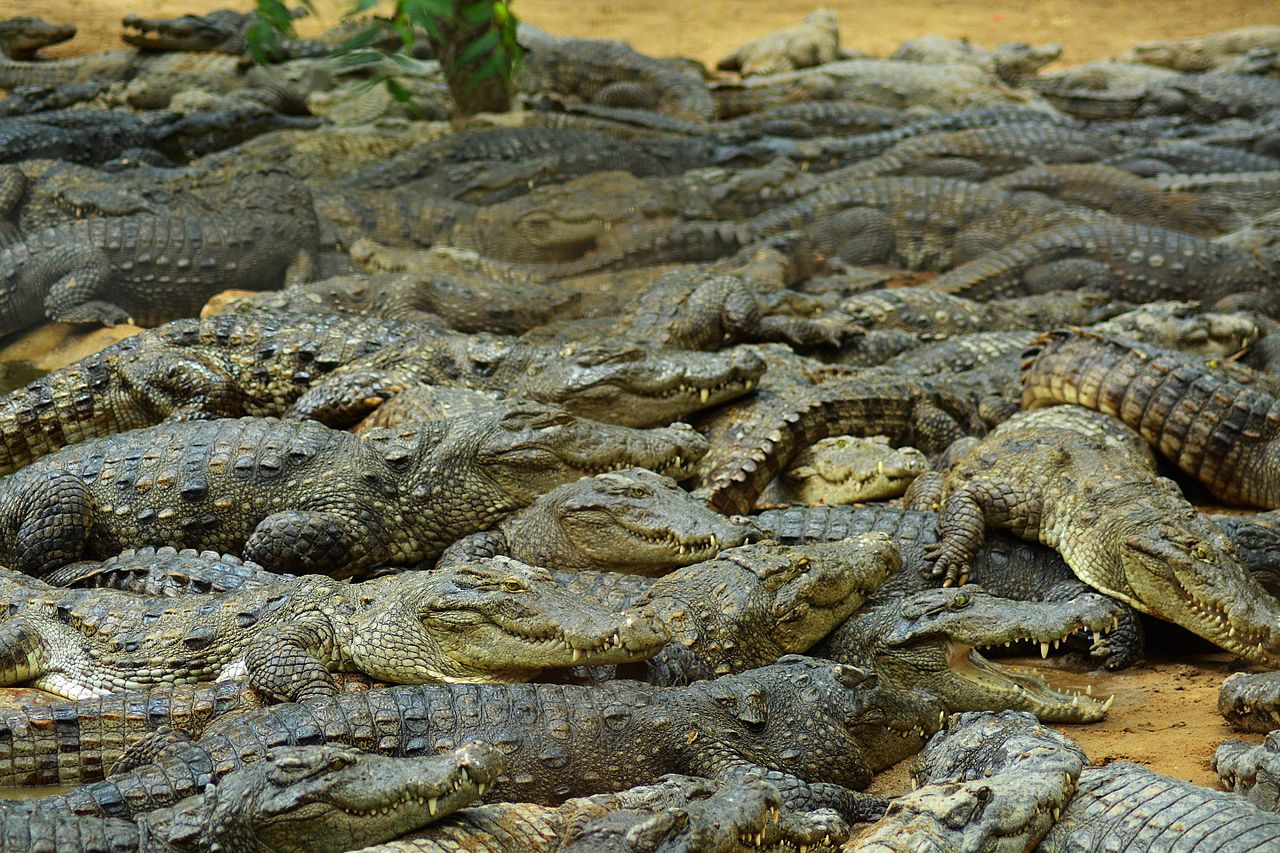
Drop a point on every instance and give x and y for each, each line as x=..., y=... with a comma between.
x=1125, y=806
x=1251, y=770
x=23, y=37
x=929, y=641
x=1010, y=61
x=1212, y=96
x=623, y=521
x=147, y=269
x=1134, y=262
x=300, y=497
x=1250, y=702
x=1123, y=194
x=987, y=781
x=255, y=364
x=616, y=382
x=1180, y=156
x=496, y=620
x=813, y=41
x=748, y=606
x=1086, y=485
x=1225, y=50
x=843, y=470
x=219, y=31
x=1216, y=421
x=815, y=730
x=675, y=813
x=611, y=73
x=298, y=798
x=165, y=572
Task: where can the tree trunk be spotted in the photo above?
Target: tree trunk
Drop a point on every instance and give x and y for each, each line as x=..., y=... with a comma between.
x=491, y=95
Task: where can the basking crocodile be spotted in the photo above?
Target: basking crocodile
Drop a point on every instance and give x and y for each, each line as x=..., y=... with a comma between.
x=300, y=497
x=1086, y=485
x=1250, y=702
x=815, y=730
x=928, y=641
x=147, y=269
x=623, y=521
x=1010, y=61
x=676, y=813
x=298, y=798
x=165, y=572
x=988, y=781
x=497, y=620
x=619, y=383
x=23, y=37
x=749, y=606
x=843, y=470
x=1135, y=262
x=257, y=364
x=812, y=42
x=1251, y=770
x=1224, y=50
x=1217, y=421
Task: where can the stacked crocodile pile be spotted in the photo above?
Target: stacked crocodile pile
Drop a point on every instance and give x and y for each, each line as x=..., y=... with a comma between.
x=528, y=506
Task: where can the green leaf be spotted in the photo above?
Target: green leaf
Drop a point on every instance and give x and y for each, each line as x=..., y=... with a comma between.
x=398, y=91
x=276, y=15
x=478, y=48
x=263, y=41
x=494, y=66
x=359, y=7
x=360, y=40
x=356, y=58
x=478, y=13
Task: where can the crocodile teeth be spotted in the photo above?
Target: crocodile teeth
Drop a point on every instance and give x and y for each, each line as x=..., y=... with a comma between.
x=432, y=805
x=1107, y=704
x=704, y=395
x=577, y=655
x=1044, y=650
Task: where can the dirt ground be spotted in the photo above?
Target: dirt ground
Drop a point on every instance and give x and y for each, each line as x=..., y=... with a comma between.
x=1165, y=712
x=1087, y=29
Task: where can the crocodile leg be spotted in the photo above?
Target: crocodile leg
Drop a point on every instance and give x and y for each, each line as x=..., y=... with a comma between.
x=342, y=401
x=302, y=542
x=54, y=518
x=180, y=388
x=963, y=521
x=1070, y=274
x=79, y=273
x=803, y=796
x=858, y=236
x=23, y=653
x=286, y=664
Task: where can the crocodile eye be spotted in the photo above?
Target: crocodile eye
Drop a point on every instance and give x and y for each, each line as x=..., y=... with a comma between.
x=636, y=493
x=961, y=600
x=1200, y=552
x=514, y=585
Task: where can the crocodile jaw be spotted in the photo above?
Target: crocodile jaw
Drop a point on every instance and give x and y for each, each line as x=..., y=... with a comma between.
x=1022, y=692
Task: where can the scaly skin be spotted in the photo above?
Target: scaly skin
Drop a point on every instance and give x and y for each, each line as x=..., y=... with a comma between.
x=1218, y=51
x=844, y=470
x=812, y=42
x=147, y=269
x=220, y=31
x=1124, y=806
x=300, y=798
x=23, y=37
x=1137, y=263
x=486, y=621
x=164, y=573
x=1250, y=702
x=624, y=521
x=1216, y=421
x=751, y=605
x=299, y=497
x=1252, y=770
x=928, y=641
x=617, y=383
x=257, y=364
x=988, y=781
x=566, y=741
x=1085, y=485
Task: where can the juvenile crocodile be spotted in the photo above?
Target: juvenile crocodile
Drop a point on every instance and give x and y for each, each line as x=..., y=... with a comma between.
x=1217, y=421
x=929, y=641
x=1124, y=194
x=1134, y=262
x=615, y=382
x=298, y=798
x=300, y=497
x=497, y=620
x=147, y=269
x=1085, y=485
x=624, y=521
x=23, y=37
x=255, y=364
x=748, y=606
x=815, y=730
x=843, y=470
x=986, y=781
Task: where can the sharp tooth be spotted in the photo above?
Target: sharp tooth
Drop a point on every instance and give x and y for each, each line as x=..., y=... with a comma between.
x=1056, y=813
x=432, y=803
x=577, y=655
x=1088, y=690
x=1044, y=650
x=1107, y=704
x=705, y=395
x=714, y=544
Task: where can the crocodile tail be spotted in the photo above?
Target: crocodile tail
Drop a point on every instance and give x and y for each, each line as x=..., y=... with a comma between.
x=1046, y=341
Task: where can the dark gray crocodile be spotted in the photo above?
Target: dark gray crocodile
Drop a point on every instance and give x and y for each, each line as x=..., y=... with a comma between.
x=1217, y=421
x=815, y=730
x=321, y=798
x=986, y=781
x=1134, y=262
x=497, y=620
x=165, y=572
x=1252, y=770
x=624, y=521
x=1250, y=702
x=148, y=269
x=1086, y=485
x=302, y=497
x=23, y=37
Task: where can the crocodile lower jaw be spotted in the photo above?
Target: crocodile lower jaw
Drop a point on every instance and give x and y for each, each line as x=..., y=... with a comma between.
x=1024, y=692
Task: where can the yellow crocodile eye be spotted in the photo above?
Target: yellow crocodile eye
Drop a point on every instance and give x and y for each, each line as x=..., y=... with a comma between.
x=1200, y=552
x=961, y=600
x=513, y=585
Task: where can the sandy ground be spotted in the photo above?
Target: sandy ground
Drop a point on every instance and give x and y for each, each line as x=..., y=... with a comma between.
x=1165, y=712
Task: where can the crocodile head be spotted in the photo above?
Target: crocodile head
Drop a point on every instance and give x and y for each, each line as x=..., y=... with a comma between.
x=1250, y=702
x=21, y=38
x=525, y=449
x=627, y=521
x=215, y=32
x=328, y=798
x=492, y=620
x=1189, y=573
x=844, y=469
x=630, y=385
x=818, y=719
x=929, y=640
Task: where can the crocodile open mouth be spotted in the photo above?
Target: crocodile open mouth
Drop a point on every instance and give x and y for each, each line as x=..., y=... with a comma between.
x=417, y=794
x=691, y=389
x=1216, y=625
x=672, y=542
x=1025, y=692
